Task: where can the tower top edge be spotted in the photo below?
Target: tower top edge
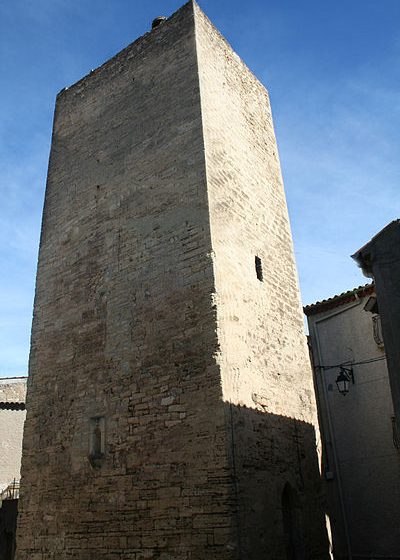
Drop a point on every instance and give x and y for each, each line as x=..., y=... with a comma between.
x=158, y=25
x=191, y=5
x=198, y=12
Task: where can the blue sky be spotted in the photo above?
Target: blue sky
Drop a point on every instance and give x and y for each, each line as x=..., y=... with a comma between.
x=332, y=70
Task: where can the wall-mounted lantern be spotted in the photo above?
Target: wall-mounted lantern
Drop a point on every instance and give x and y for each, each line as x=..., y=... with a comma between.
x=343, y=380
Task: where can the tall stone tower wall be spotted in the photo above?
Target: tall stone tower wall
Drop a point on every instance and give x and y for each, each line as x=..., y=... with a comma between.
x=265, y=367
x=159, y=363
x=123, y=325
x=261, y=327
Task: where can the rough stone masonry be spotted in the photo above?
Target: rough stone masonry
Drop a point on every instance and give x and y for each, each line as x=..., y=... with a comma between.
x=170, y=400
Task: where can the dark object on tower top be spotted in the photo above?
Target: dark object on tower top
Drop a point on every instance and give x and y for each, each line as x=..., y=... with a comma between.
x=158, y=21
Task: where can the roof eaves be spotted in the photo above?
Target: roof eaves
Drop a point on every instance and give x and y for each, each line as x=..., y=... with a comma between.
x=339, y=300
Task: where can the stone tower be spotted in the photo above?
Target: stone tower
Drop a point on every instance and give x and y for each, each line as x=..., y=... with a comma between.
x=170, y=401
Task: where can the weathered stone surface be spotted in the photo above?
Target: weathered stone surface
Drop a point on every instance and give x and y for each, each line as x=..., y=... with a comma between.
x=264, y=363
x=163, y=186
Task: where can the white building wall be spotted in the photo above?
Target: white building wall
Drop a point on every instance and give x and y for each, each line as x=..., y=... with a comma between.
x=11, y=430
x=361, y=461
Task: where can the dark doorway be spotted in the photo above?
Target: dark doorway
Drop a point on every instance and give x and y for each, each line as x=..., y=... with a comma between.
x=294, y=543
x=8, y=524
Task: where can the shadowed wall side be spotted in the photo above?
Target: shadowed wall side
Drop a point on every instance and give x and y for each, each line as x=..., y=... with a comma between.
x=276, y=465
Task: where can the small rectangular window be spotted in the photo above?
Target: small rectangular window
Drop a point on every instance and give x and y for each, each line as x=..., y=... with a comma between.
x=396, y=438
x=259, y=270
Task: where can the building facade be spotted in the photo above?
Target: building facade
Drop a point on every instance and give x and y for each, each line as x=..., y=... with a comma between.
x=170, y=407
x=380, y=260
x=12, y=418
x=361, y=446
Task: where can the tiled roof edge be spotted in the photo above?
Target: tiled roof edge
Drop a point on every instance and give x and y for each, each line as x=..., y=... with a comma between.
x=12, y=405
x=339, y=299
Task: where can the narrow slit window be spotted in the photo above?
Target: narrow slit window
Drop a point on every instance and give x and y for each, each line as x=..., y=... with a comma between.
x=97, y=439
x=259, y=269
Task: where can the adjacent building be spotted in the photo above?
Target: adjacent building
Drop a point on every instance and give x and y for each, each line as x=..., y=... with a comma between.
x=361, y=445
x=12, y=418
x=171, y=410
x=380, y=260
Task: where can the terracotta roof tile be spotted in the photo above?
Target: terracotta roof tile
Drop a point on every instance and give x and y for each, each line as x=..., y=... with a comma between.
x=339, y=299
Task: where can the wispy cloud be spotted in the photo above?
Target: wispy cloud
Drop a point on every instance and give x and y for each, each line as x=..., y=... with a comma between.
x=334, y=84
x=21, y=192
x=339, y=149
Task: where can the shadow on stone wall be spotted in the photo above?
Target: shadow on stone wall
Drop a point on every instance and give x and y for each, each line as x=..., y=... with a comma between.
x=264, y=504
x=277, y=486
